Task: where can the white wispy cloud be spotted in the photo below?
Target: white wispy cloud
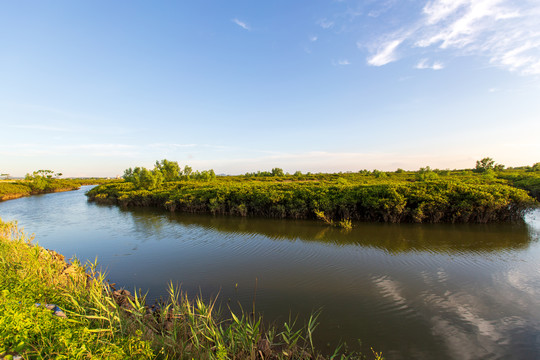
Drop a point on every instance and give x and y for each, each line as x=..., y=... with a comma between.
x=242, y=24
x=385, y=54
x=506, y=32
x=71, y=150
x=326, y=24
x=461, y=23
x=436, y=11
x=41, y=128
x=171, y=146
x=313, y=38
x=97, y=146
x=383, y=7
x=425, y=64
x=342, y=62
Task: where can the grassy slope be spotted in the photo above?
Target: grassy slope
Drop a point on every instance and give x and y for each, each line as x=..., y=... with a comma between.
x=102, y=323
x=30, y=275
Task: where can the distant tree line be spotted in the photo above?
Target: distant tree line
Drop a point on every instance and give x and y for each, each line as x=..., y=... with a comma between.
x=41, y=179
x=38, y=182
x=275, y=172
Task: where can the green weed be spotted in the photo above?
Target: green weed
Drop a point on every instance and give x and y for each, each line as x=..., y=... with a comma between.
x=104, y=323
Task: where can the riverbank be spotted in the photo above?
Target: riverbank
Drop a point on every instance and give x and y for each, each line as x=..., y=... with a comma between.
x=14, y=189
x=452, y=197
x=12, y=196
x=83, y=316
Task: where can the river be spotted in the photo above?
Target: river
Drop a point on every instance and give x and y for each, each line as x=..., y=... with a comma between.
x=412, y=291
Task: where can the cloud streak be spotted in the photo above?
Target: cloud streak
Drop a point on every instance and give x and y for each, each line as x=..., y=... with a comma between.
x=385, y=54
x=341, y=62
x=100, y=150
x=242, y=24
x=41, y=128
x=424, y=64
x=505, y=32
x=326, y=24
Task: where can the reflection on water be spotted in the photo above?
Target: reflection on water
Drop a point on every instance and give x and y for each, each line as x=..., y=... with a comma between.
x=412, y=291
x=393, y=238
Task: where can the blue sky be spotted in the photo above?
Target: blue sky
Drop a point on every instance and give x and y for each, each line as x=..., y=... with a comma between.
x=91, y=88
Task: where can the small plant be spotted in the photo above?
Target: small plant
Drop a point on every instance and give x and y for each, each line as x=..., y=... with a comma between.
x=344, y=223
x=289, y=335
x=321, y=216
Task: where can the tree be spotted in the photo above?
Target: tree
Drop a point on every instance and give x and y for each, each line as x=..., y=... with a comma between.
x=187, y=171
x=43, y=173
x=277, y=172
x=205, y=175
x=170, y=169
x=484, y=165
x=426, y=173
x=150, y=179
x=142, y=178
x=40, y=179
x=132, y=176
x=379, y=174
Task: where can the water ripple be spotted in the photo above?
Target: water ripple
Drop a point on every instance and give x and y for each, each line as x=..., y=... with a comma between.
x=418, y=291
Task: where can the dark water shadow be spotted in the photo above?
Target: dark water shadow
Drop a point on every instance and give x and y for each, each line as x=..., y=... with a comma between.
x=392, y=238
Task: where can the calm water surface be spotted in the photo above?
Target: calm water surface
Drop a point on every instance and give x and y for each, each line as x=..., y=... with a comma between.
x=410, y=291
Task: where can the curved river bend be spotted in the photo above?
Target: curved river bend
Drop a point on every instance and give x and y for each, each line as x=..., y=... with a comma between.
x=411, y=291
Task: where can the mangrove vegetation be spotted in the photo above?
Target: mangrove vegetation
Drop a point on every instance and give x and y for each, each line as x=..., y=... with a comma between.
x=487, y=193
x=41, y=182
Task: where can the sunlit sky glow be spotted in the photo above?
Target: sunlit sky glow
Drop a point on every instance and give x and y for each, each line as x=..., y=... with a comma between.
x=91, y=88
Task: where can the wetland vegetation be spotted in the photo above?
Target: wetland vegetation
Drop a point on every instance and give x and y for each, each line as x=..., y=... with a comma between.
x=53, y=308
x=487, y=193
x=103, y=322
x=41, y=182
x=386, y=284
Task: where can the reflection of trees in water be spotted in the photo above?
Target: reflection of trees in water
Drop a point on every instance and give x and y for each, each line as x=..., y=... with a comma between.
x=148, y=223
x=394, y=238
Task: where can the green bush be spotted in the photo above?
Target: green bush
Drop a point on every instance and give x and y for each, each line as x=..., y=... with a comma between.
x=422, y=196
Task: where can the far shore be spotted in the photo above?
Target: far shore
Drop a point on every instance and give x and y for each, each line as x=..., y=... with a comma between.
x=13, y=196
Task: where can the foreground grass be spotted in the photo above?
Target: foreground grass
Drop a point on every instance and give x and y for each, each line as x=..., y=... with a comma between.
x=104, y=323
x=30, y=275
